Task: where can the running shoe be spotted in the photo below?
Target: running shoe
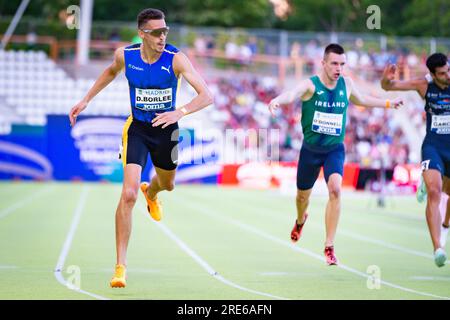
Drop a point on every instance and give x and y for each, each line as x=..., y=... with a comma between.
x=118, y=280
x=330, y=256
x=421, y=193
x=154, y=207
x=297, y=230
x=440, y=257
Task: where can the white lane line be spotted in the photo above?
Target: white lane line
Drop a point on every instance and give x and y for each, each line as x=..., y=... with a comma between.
x=66, y=247
x=430, y=278
x=134, y=270
x=413, y=230
x=203, y=263
x=370, y=240
x=320, y=257
x=17, y=205
x=308, y=252
x=371, y=212
x=373, y=241
x=4, y=267
x=384, y=244
x=8, y=190
x=276, y=273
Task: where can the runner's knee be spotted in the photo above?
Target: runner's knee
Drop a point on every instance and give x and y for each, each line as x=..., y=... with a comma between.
x=302, y=198
x=434, y=192
x=129, y=195
x=334, y=191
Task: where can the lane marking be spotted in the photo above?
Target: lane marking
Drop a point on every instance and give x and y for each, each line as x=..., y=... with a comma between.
x=277, y=274
x=17, y=205
x=384, y=244
x=365, y=238
x=306, y=252
x=5, y=267
x=134, y=270
x=68, y=242
x=430, y=278
x=203, y=263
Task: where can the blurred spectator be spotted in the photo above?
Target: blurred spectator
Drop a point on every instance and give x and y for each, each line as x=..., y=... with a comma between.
x=31, y=38
x=245, y=54
x=312, y=54
x=412, y=60
x=210, y=45
x=372, y=139
x=253, y=45
x=295, y=50
x=352, y=58
x=200, y=44
x=114, y=36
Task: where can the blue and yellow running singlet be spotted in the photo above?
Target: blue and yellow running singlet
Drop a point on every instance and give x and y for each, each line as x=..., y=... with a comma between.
x=153, y=87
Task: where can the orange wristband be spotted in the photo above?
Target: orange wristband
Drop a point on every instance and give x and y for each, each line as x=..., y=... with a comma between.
x=388, y=103
x=184, y=110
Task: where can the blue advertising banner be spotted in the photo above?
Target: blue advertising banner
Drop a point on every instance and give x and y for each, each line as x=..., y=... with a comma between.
x=24, y=154
x=89, y=151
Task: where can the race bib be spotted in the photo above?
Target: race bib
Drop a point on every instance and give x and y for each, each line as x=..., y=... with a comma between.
x=440, y=124
x=425, y=165
x=153, y=99
x=327, y=123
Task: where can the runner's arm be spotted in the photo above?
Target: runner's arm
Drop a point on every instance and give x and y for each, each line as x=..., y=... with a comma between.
x=183, y=67
x=388, y=83
x=105, y=78
x=367, y=101
x=287, y=97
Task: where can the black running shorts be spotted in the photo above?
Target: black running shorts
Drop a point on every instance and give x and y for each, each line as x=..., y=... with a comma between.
x=140, y=138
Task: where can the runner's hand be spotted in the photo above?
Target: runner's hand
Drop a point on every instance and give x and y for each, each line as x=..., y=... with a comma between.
x=273, y=106
x=389, y=72
x=397, y=103
x=75, y=111
x=167, y=118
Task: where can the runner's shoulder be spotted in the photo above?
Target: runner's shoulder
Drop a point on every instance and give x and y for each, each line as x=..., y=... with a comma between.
x=308, y=84
x=119, y=54
x=348, y=81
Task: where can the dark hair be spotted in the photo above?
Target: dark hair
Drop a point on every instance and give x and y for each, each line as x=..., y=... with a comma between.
x=436, y=60
x=149, y=14
x=334, y=48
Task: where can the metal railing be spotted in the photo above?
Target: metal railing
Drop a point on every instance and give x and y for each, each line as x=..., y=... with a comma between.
x=269, y=41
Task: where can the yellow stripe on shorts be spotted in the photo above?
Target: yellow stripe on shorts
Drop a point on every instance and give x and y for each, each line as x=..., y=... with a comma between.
x=125, y=140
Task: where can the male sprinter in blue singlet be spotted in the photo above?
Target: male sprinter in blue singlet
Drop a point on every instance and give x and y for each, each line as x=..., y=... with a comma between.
x=153, y=70
x=436, y=144
x=325, y=98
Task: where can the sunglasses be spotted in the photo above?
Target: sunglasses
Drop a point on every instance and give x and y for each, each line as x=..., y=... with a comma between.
x=157, y=32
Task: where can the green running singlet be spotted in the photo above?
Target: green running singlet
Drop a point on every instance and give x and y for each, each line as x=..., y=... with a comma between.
x=324, y=115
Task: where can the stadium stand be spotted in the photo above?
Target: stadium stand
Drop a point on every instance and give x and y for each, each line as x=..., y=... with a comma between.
x=32, y=85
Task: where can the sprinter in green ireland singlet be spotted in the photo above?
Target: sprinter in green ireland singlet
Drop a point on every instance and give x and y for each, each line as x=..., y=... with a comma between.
x=325, y=99
x=324, y=114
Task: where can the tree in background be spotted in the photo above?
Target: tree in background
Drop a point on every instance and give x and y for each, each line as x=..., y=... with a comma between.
x=46, y=9
x=407, y=17
x=226, y=13
x=427, y=18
